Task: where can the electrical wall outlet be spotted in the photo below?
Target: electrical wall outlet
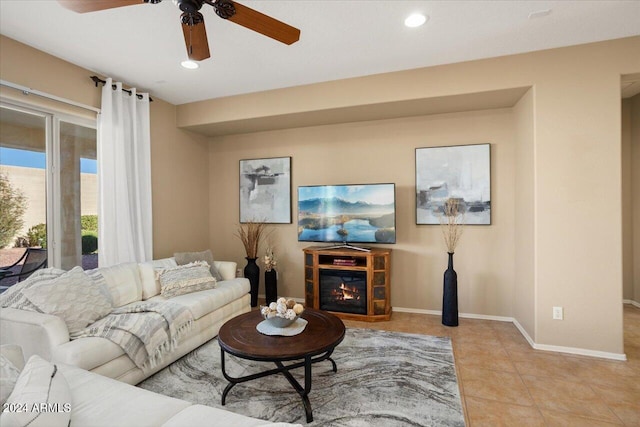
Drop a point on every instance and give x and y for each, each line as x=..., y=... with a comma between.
x=558, y=313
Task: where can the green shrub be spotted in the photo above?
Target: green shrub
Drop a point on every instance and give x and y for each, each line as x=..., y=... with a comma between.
x=12, y=209
x=89, y=242
x=89, y=222
x=37, y=235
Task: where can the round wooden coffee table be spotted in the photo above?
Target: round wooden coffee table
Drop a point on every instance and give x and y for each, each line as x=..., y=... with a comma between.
x=240, y=338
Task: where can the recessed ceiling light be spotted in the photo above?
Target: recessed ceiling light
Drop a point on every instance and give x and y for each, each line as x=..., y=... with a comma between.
x=190, y=65
x=415, y=20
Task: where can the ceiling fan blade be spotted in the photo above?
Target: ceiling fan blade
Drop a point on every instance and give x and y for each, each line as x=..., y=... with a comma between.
x=263, y=24
x=84, y=6
x=195, y=37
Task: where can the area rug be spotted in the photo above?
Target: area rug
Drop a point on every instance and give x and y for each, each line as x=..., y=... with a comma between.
x=384, y=378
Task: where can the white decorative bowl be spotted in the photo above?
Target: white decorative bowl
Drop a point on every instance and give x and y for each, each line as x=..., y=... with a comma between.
x=280, y=322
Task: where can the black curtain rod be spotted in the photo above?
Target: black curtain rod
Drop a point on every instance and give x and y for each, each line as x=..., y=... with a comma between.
x=97, y=80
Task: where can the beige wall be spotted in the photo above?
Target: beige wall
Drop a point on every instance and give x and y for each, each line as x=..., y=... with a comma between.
x=524, y=284
x=635, y=191
x=179, y=159
x=627, y=203
x=577, y=219
x=376, y=152
x=180, y=180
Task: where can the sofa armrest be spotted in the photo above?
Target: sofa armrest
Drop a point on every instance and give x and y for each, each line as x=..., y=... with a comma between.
x=227, y=269
x=13, y=353
x=37, y=333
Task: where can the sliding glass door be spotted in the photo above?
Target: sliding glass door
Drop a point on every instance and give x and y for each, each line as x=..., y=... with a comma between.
x=48, y=167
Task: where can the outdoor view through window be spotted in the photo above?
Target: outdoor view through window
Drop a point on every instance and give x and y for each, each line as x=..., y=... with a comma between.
x=49, y=192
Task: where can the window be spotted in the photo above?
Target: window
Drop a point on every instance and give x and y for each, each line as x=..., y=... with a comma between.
x=49, y=160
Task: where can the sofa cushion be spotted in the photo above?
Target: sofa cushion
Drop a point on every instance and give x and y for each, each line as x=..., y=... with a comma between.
x=14, y=296
x=149, y=275
x=183, y=258
x=204, y=302
x=87, y=353
x=122, y=281
x=39, y=383
x=74, y=297
x=9, y=374
x=13, y=353
x=201, y=415
x=100, y=401
x=185, y=279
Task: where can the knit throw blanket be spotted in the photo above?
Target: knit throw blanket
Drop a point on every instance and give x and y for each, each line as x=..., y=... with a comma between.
x=146, y=330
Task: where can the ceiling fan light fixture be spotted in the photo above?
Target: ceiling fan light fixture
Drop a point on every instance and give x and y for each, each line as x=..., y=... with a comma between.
x=190, y=65
x=415, y=20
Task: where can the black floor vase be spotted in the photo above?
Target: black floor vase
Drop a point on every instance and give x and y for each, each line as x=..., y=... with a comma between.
x=252, y=272
x=450, y=295
x=271, y=286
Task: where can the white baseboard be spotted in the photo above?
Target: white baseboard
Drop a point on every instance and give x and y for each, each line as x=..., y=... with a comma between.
x=532, y=343
x=632, y=302
x=581, y=352
x=463, y=315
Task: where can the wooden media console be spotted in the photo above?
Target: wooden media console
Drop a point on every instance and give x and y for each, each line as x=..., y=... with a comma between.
x=350, y=283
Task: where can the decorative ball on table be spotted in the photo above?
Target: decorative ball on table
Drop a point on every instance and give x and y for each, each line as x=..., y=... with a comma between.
x=282, y=313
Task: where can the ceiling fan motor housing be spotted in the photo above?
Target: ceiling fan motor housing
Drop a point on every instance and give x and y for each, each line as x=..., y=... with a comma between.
x=190, y=6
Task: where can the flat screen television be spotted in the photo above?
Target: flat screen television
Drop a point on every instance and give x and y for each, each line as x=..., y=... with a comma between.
x=346, y=214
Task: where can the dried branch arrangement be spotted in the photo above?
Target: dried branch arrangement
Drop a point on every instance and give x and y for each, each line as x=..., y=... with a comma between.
x=452, y=223
x=251, y=233
x=270, y=260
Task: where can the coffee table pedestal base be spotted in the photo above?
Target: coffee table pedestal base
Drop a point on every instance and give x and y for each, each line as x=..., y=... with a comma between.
x=284, y=370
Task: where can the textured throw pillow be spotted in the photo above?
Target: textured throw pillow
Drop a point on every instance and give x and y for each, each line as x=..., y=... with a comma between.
x=74, y=297
x=14, y=296
x=185, y=279
x=8, y=376
x=121, y=280
x=41, y=397
x=183, y=258
x=149, y=275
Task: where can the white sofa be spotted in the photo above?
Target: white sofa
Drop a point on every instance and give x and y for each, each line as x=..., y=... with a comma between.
x=47, y=335
x=91, y=400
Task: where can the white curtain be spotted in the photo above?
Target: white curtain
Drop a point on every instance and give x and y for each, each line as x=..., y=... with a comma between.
x=124, y=177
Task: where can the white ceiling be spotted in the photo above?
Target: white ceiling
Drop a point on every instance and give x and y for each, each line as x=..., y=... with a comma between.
x=143, y=45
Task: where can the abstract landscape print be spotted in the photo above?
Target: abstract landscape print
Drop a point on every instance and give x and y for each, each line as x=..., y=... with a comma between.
x=461, y=172
x=265, y=190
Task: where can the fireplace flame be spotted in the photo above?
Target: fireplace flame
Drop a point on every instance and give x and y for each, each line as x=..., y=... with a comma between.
x=349, y=293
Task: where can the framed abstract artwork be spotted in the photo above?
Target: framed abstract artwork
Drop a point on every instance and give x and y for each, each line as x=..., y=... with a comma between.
x=265, y=190
x=462, y=172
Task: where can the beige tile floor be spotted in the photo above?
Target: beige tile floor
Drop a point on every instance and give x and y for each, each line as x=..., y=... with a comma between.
x=504, y=382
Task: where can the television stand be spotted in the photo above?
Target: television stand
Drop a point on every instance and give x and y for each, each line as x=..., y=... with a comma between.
x=351, y=284
x=345, y=245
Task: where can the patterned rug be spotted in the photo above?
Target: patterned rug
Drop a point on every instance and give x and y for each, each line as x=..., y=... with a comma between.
x=384, y=379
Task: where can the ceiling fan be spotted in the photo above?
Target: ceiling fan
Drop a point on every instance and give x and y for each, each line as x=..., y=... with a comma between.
x=195, y=35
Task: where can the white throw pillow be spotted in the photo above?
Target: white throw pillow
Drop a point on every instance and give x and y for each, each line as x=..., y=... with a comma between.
x=14, y=296
x=8, y=376
x=74, y=297
x=122, y=281
x=185, y=279
x=41, y=397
